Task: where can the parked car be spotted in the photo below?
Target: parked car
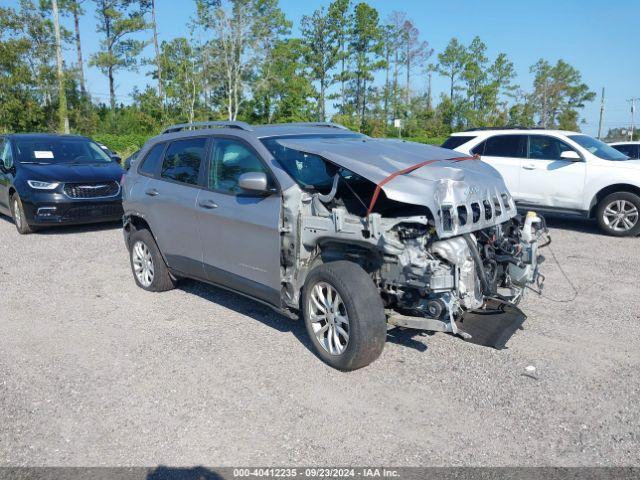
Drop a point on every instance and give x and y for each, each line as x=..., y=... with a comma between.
x=563, y=172
x=130, y=159
x=354, y=232
x=114, y=156
x=630, y=149
x=48, y=180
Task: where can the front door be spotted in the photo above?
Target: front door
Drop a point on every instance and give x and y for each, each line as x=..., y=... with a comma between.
x=6, y=166
x=504, y=153
x=171, y=195
x=239, y=230
x=548, y=180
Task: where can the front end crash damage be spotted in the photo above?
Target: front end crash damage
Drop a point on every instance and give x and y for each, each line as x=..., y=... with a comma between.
x=444, y=244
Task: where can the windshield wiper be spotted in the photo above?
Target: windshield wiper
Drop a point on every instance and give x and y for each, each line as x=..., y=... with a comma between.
x=29, y=162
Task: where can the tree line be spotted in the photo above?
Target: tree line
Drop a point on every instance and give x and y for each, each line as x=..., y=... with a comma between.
x=238, y=60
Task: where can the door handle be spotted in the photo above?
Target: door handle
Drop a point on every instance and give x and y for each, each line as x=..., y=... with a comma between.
x=529, y=166
x=208, y=204
x=152, y=192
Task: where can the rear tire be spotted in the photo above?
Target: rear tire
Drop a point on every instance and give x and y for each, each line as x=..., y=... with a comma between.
x=147, y=265
x=344, y=315
x=19, y=217
x=618, y=214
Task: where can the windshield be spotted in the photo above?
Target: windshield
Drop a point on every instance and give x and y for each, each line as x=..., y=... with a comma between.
x=59, y=150
x=598, y=148
x=309, y=171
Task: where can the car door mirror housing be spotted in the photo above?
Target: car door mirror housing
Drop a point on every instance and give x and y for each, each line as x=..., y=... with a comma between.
x=570, y=155
x=254, y=182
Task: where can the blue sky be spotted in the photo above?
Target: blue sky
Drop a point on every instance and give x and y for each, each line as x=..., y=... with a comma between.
x=599, y=38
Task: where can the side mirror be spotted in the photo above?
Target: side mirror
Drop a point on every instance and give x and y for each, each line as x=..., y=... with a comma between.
x=255, y=182
x=570, y=155
x=116, y=158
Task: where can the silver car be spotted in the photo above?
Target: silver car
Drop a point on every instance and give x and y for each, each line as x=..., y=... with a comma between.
x=354, y=234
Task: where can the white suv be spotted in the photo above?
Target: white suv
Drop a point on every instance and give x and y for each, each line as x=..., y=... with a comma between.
x=561, y=172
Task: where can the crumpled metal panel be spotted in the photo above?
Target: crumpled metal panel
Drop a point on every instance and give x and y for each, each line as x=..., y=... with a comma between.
x=447, y=186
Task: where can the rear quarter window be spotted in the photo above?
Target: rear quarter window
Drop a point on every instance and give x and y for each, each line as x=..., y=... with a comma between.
x=151, y=163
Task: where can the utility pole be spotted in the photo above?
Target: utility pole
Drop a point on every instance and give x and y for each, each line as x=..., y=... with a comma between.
x=601, y=116
x=63, y=117
x=632, y=101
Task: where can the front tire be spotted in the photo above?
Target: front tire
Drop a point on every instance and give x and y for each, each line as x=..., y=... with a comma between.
x=617, y=214
x=344, y=315
x=19, y=217
x=148, y=267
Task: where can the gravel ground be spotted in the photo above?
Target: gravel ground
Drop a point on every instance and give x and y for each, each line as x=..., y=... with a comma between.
x=95, y=371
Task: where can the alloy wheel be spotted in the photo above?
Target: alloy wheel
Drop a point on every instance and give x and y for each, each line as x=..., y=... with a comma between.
x=620, y=215
x=17, y=214
x=142, y=263
x=329, y=318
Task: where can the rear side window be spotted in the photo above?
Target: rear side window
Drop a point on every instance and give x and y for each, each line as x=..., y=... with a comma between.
x=455, y=141
x=151, y=162
x=513, y=146
x=630, y=151
x=182, y=160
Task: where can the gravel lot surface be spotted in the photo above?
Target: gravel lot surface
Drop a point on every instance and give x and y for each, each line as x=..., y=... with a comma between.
x=95, y=371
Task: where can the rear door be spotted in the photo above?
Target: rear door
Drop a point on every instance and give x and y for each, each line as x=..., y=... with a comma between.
x=505, y=153
x=239, y=230
x=170, y=197
x=548, y=180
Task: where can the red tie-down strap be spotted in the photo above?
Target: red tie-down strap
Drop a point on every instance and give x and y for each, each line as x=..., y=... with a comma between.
x=410, y=169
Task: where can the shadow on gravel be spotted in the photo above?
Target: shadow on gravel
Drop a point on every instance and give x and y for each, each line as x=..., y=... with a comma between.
x=576, y=224
x=273, y=319
x=195, y=473
x=70, y=229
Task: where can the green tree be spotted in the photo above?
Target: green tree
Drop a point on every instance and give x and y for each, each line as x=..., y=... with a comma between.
x=320, y=39
x=366, y=45
x=558, y=92
x=452, y=62
x=182, y=85
x=117, y=21
x=342, y=19
x=243, y=33
x=287, y=97
x=20, y=107
x=475, y=75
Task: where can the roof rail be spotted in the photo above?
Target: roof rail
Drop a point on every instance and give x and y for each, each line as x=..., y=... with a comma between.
x=515, y=127
x=195, y=125
x=316, y=124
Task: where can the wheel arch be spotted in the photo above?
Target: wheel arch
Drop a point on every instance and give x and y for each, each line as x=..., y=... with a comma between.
x=615, y=188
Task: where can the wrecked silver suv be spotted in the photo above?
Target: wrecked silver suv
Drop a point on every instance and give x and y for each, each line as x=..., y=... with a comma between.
x=351, y=232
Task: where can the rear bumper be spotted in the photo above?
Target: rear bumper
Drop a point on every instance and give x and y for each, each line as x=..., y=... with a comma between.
x=55, y=209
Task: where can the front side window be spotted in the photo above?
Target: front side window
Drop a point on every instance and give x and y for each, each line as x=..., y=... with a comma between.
x=542, y=147
x=6, y=154
x=513, y=146
x=182, y=160
x=598, y=148
x=229, y=160
x=152, y=161
x=59, y=150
